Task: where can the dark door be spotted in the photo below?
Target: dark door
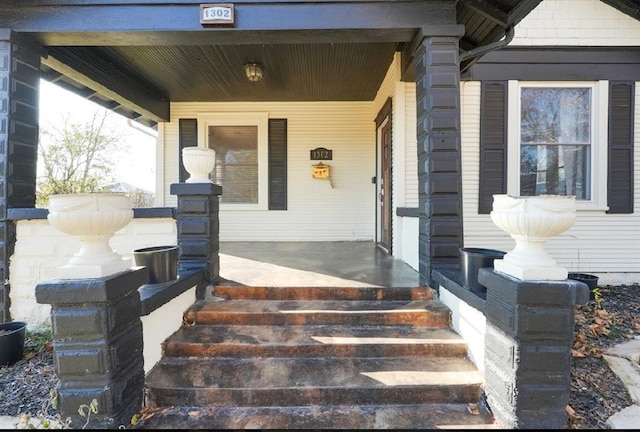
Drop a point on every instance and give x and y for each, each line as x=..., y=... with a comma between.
x=384, y=186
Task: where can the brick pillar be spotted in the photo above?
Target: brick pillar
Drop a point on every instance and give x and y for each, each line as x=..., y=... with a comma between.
x=98, y=346
x=198, y=229
x=530, y=331
x=19, y=86
x=439, y=151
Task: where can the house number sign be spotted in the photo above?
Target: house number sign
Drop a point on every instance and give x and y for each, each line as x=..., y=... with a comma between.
x=216, y=14
x=321, y=153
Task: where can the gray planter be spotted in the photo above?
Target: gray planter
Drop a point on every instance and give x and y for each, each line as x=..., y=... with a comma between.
x=161, y=261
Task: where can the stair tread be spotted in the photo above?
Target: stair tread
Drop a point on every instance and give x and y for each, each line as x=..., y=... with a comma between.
x=411, y=416
x=321, y=306
x=313, y=335
x=326, y=293
x=272, y=373
x=420, y=313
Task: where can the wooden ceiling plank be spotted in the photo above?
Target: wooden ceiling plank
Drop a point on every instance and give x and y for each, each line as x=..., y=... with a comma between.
x=488, y=11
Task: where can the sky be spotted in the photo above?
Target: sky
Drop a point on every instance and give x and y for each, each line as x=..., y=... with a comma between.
x=137, y=167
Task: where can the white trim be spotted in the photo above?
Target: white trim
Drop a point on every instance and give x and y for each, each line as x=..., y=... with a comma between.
x=399, y=140
x=160, y=199
x=599, y=141
x=261, y=120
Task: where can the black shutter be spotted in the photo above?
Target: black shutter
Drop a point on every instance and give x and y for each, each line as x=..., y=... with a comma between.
x=277, y=164
x=188, y=137
x=620, y=150
x=493, y=143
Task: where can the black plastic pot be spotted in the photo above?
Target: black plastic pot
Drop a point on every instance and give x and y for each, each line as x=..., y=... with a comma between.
x=12, y=336
x=589, y=279
x=161, y=261
x=472, y=260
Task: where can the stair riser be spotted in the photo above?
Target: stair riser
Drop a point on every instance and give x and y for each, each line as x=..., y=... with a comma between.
x=416, y=319
x=313, y=396
x=322, y=293
x=230, y=350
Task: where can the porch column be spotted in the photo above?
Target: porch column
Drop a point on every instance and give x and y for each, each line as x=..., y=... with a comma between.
x=439, y=149
x=19, y=87
x=198, y=224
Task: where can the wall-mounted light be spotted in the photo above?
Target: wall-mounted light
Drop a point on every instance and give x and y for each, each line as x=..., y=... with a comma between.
x=253, y=71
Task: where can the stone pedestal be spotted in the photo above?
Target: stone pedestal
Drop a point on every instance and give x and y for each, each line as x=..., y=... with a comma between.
x=98, y=345
x=198, y=225
x=529, y=334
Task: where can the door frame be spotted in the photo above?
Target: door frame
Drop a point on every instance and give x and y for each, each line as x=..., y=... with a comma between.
x=384, y=119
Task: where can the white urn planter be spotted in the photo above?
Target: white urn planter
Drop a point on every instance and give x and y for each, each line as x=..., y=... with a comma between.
x=92, y=218
x=532, y=221
x=199, y=162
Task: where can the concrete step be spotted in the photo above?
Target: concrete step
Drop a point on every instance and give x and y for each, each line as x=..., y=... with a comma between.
x=241, y=292
x=312, y=381
x=313, y=341
x=315, y=358
x=322, y=417
x=417, y=313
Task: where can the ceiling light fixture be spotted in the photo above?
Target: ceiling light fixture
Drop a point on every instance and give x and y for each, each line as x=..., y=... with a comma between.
x=253, y=71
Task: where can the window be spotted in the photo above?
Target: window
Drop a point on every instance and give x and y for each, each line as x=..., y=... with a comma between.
x=236, y=167
x=240, y=142
x=558, y=140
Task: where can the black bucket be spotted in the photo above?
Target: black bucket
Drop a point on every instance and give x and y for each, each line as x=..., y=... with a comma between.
x=589, y=279
x=472, y=260
x=160, y=261
x=12, y=336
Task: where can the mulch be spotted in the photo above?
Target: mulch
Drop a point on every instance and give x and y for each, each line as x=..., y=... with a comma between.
x=610, y=319
x=596, y=392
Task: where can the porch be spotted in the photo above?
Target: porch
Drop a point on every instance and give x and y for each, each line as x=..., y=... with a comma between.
x=313, y=264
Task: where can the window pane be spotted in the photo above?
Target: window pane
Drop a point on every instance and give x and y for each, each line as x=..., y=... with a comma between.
x=555, y=170
x=236, y=162
x=555, y=139
x=555, y=115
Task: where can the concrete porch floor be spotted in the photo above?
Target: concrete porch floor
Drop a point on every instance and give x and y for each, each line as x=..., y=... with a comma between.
x=339, y=263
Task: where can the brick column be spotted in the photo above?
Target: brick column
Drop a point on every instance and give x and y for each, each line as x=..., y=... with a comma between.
x=530, y=331
x=439, y=151
x=19, y=86
x=198, y=229
x=98, y=346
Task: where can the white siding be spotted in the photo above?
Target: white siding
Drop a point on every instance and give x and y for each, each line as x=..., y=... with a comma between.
x=316, y=210
x=608, y=245
x=605, y=244
x=577, y=22
x=411, y=153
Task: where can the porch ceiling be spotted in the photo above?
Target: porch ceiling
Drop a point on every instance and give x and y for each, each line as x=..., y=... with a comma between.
x=137, y=73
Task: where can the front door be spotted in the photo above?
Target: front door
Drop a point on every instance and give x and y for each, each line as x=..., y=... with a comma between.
x=384, y=185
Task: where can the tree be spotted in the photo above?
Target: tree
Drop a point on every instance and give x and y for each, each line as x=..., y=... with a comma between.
x=76, y=157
